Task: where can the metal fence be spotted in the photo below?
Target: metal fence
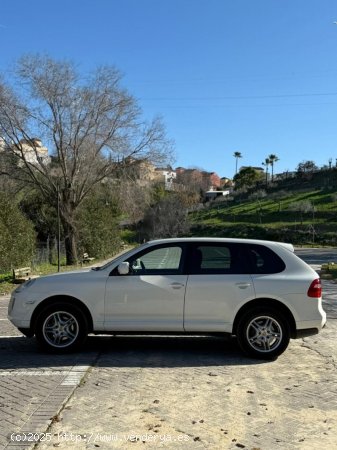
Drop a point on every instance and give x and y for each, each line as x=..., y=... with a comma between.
x=46, y=252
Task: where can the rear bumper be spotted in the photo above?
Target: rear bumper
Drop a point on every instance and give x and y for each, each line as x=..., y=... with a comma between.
x=313, y=325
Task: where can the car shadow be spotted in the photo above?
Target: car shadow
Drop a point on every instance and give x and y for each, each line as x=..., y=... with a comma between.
x=170, y=351
x=127, y=351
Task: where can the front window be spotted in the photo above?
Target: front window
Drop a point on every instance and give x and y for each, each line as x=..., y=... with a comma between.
x=158, y=261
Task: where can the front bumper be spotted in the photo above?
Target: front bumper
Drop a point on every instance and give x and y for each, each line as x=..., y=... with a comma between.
x=26, y=332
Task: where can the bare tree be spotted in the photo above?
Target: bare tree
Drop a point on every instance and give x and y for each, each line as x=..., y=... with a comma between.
x=306, y=167
x=91, y=126
x=303, y=207
x=193, y=180
x=167, y=218
x=134, y=199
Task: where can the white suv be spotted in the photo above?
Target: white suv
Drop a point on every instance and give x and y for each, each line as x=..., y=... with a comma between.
x=259, y=291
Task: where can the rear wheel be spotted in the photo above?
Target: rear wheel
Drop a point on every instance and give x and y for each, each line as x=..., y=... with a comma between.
x=61, y=328
x=263, y=333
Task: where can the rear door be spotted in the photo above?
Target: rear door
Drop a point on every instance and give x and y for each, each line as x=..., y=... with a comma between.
x=218, y=284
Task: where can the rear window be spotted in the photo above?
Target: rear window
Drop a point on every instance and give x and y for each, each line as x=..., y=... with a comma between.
x=264, y=261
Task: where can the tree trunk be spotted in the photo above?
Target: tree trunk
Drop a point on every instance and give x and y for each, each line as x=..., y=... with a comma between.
x=70, y=244
x=70, y=238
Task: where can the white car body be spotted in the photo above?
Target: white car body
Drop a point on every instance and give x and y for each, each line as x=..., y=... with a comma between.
x=180, y=299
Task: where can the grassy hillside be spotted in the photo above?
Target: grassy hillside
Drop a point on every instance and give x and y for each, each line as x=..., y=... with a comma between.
x=298, y=211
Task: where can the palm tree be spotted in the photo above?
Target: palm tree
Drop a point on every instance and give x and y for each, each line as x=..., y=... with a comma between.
x=272, y=160
x=237, y=155
x=266, y=163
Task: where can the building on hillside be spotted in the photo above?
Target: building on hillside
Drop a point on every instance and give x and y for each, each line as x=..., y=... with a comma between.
x=33, y=150
x=144, y=172
x=258, y=169
x=29, y=150
x=212, y=194
x=226, y=182
x=198, y=178
x=284, y=175
x=213, y=178
x=136, y=169
x=166, y=175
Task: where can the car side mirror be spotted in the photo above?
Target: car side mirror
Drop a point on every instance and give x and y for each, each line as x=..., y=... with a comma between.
x=123, y=268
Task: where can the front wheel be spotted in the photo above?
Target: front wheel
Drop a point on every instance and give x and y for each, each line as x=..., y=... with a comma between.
x=263, y=333
x=61, y=328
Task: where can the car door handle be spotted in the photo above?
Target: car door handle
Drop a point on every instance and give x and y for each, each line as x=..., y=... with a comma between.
x=177, y=285
x=243, y=285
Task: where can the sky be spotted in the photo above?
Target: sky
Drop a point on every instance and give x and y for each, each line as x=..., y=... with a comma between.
x=255, y=77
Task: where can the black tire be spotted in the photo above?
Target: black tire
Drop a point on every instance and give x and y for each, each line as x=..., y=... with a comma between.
x=61, y=328
x=263, y=333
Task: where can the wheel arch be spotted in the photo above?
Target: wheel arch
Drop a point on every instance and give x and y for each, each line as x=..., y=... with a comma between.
x=268, y=303
x=58, y=299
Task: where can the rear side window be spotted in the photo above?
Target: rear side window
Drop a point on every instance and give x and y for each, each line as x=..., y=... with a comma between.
x=232, y=258
x=214, y=258
x=263, y=260
x=208, y=259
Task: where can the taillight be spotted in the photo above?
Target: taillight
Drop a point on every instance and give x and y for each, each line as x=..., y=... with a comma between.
x=315, y=289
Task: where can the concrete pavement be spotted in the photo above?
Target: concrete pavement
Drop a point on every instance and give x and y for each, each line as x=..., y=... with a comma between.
x=184, y=392
x=202, y=393
x=34, y=386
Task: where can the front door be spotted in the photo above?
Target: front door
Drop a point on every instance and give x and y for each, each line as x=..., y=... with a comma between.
x=151, y=296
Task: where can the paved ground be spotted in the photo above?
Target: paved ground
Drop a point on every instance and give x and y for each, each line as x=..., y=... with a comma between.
x=33, y=386
x=170, y=393
x=202, y=393
x=318, y=256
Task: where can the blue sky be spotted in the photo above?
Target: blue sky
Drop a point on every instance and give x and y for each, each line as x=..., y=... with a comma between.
x=257, y=77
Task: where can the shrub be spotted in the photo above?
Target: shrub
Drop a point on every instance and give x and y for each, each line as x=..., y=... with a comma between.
x=97, y=222
x=17, y=236
x=167, y=218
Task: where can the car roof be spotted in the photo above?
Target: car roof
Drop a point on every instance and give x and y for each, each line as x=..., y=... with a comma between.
x=288, y=246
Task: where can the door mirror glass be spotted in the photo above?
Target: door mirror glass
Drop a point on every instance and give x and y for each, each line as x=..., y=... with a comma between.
x=123, y=268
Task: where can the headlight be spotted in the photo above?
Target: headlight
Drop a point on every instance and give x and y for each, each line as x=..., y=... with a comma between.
x=24, y=285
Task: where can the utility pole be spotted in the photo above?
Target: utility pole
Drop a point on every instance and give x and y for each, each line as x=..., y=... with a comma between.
x=58, y=228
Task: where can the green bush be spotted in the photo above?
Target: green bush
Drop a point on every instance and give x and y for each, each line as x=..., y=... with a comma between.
x=97, y=224
x=17, y=236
